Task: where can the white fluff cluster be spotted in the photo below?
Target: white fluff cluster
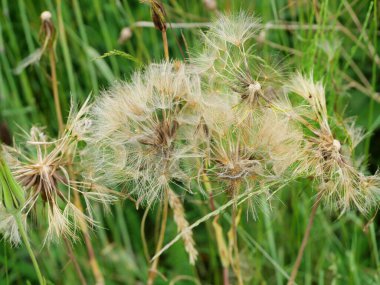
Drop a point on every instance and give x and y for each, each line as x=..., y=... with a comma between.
x=229, y=108
x=44, y=167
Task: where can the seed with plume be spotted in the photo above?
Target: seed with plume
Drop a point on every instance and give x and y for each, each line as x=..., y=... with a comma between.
x=44, y=168
x=140, y=132
x=326, y=158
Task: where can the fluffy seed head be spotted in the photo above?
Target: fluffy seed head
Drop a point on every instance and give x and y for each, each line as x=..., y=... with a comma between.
x=235, y=29
x=44, y=168
x=326, y=158
x=141, y=131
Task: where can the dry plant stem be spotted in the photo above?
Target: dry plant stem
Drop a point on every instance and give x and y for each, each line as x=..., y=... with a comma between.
x=90, y=249
x=142, y=232
x=305, y=239
x=166, y=46
x=226, y=278
x=235, y=247
x=208, y=187
x=153, y=269
x=74, y=261
x=55, y=90
x=25, y=239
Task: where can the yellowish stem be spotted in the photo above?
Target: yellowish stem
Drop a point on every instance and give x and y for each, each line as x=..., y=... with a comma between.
x=305, y=239
x=90, y=249
x=153, y=269
x=55, y=90
x=166, y=46
x=74, y=261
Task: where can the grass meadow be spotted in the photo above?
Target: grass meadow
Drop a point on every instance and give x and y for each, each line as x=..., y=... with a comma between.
x=336, y=41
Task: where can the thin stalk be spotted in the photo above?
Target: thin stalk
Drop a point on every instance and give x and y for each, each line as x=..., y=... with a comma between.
x=74, y=261
x=153, y=268
x=90, y=249
x=65, y=49
x=235, y=185
x=166, y=46
x=305, y=239
x=25, y=239
x=374, y=81
x=142, y=233
x=6, y=264
x=236, y=259
x=55, y=90
x=87, y=240
x=226, y=278
x=207, y=185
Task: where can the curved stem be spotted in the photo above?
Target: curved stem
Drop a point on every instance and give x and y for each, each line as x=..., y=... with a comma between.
x=142, y=232
x=153, y=268
x=25, y=239
x=305, y=239
x=55, y=90
x=73, y=259
x=226, y=278
x=87, y=240
x=236, y=247
x=166, y=46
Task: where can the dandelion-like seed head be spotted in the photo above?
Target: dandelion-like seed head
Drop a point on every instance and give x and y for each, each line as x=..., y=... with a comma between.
x=327, y=158
x=146, y=125
x=44, y=168
x=235, y=29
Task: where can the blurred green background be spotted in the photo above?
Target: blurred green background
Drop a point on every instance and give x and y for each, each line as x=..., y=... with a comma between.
x=336, y=40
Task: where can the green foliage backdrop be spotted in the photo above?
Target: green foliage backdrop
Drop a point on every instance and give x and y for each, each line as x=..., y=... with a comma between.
x=336, y=40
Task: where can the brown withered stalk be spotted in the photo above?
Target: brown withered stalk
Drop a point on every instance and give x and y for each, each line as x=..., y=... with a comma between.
x=49, y=33
x=305, y=240
x=74, y=261
x=153, y=269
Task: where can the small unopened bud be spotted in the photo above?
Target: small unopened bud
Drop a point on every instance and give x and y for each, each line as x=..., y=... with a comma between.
x=337, y=145
x=210, y=4
x=125, y=35
x=45, y=16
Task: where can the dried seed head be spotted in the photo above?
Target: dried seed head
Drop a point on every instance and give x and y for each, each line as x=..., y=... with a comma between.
x=325, y=158
x=44, y=168
x=140, y=131
x=47, y=31
x=158, y=14
x=235, y=162
x=210, y=5
x=45, y=16
x=235, y=29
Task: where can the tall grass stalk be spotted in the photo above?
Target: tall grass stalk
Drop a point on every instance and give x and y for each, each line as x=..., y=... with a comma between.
x=153, y=269
x=55, y=90
x=305, y=240
x=25, y=239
